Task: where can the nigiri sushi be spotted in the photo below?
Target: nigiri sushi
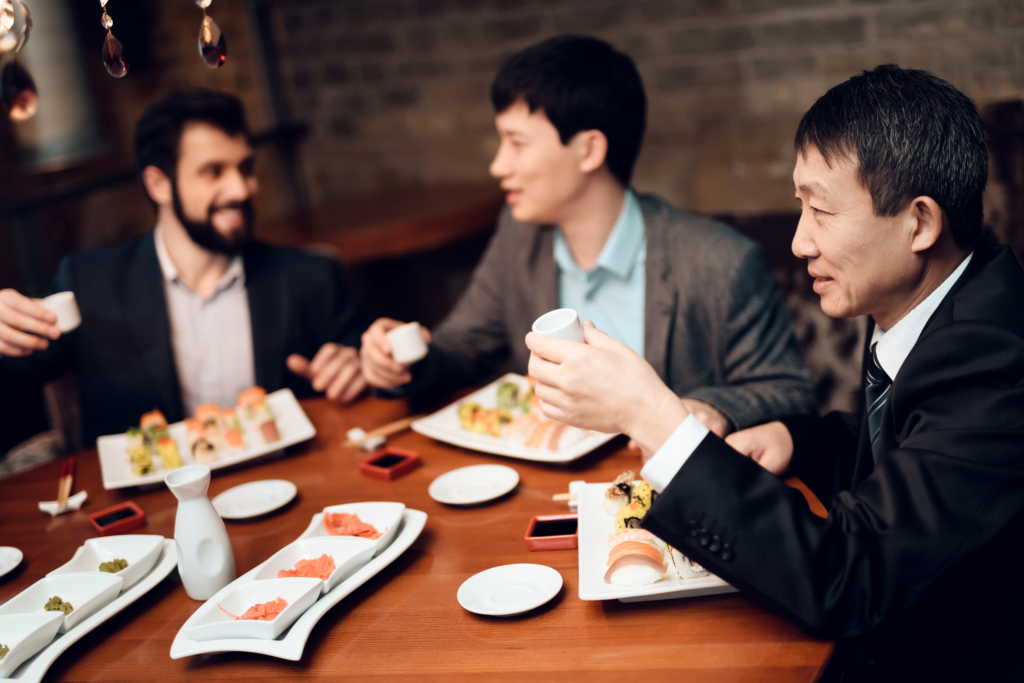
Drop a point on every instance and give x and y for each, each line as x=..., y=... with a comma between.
x=635, y=563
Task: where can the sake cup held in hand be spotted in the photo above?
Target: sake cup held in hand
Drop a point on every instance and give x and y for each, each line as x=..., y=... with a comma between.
x=407, y=345
x=66, y=308
x=562, y=323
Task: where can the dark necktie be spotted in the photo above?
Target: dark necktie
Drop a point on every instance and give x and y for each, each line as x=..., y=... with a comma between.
x=876, y=391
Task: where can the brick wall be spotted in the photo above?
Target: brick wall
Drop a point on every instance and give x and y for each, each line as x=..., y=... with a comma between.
x=397, y=90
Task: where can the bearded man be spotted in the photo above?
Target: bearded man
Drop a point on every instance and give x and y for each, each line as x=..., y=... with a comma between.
x=195, y=311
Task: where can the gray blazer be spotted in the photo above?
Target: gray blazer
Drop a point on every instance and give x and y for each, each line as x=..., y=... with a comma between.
x=715, y=326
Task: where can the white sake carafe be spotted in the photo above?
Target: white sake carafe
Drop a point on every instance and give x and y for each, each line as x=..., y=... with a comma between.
x=206, y=561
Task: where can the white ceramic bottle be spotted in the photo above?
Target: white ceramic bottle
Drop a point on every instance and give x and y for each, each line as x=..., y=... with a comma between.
x=206, y=561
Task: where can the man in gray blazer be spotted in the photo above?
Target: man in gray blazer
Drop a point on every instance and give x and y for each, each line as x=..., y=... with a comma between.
x=692, y=296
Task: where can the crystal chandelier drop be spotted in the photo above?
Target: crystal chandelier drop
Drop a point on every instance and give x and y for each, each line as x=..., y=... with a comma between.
x=17, y=88
x=212, y=46
x=112, y=53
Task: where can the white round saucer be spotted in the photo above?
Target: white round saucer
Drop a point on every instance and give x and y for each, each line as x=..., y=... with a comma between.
x=509, y=589
x=254, y=499
x=473, y=484
x=9, y=559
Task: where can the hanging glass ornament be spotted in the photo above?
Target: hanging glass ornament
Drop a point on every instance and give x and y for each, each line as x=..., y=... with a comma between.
x=212, y=46
x=113, y=59
x=15, y=24
x=18, y=90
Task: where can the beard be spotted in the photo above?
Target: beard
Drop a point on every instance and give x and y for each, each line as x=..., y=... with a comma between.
x=207, y=236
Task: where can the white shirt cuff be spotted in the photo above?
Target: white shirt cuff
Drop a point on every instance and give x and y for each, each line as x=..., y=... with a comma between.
x=674, y=453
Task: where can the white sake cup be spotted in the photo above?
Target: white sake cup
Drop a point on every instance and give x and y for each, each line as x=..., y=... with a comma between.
x=64, y=305
x=407, y=345
x=561, y=323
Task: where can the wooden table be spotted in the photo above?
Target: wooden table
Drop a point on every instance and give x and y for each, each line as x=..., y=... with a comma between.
x=392, y=223
x=406, y=622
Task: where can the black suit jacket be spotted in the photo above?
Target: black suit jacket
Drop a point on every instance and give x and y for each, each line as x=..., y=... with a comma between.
x=920, y=556
x=122, y=351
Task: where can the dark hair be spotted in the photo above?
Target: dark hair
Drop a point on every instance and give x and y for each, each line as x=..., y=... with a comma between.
x=581, y=83
x=913, y=135
x=158, y=133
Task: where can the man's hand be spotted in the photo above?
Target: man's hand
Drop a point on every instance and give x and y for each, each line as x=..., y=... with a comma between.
x=769, y=445
x=334, y=370
x=712, y=418
x=21, y=320
x=379, y=368
x=605, y=386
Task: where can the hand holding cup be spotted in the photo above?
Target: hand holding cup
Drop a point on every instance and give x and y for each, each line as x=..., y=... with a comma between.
x=386, y=362
x=25, y=325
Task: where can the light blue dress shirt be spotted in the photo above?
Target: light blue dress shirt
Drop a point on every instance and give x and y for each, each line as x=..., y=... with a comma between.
x=612, y=293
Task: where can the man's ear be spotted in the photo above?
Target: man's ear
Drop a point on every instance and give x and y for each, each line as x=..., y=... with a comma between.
x=928, y=223
x=158, y=185
x=593, y=149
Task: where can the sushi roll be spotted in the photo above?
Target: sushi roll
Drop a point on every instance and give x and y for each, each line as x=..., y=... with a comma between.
x=508, y=396
x=140, y=457
x=233, y=430
x=204, y=449
x=248, y=400
x=167, y=449
x=685, y=567
x=619, y=492
x=635, y=563
x=266, y=425
x=149, y=423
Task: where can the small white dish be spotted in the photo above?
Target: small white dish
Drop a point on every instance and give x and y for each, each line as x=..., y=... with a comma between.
x=212, y=623
x=86, y=591
x=383, y=516
x=10, y=558
x=348, y=552
x=509, y=589
x=63, y=304
x=254, y=498
x=140, y=551
x=561, y=323
x=407, y=344
x=25, y=635
x=473, y=484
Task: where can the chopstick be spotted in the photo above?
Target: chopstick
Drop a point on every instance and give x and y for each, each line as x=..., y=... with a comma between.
x=386, y=430
x=565, y=496
x=67, y=476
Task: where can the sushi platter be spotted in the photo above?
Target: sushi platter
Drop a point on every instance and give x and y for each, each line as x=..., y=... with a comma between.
x=503, y=419
x=597, y=523
x=164, y=560
x=187, y=444
x=290, y=643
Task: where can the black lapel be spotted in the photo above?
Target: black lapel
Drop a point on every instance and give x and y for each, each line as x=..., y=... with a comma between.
x=268, y=294
x=661, y=297
x=144, y=302
x=865, y=462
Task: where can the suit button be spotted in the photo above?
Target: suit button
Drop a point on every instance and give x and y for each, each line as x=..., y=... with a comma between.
x=703, y=538
x=716, y=543
x=693, y=527
x=727, y=552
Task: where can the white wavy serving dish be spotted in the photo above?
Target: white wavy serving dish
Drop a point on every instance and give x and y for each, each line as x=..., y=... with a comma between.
x=291, y=643
x=292, y=424
x=33, y=670
x=444, y=426
x=595, y=526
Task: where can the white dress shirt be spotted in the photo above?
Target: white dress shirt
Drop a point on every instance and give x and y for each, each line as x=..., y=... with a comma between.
x=893, y=348
x=211, y=336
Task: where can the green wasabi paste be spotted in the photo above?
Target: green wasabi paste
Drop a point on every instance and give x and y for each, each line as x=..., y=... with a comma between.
x=3, y=651
x=55, y=604
x=114, y=566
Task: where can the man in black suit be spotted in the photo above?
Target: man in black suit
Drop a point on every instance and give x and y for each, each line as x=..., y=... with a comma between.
x=195, y=311
x=917, y=566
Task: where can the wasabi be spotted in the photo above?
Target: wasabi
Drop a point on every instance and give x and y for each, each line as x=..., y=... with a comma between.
x=114, y=566
x=55, y=604
x=3, y=651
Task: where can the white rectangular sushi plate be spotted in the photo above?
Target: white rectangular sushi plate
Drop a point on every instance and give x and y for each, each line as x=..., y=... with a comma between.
x=291, y=643
x=595, y=526
x=292, y=424
x=444, y=426
x=33, y=669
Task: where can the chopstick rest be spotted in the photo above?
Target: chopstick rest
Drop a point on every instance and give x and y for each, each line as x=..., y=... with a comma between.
x=52, y=507
x=575, y=488
x=359, y=437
